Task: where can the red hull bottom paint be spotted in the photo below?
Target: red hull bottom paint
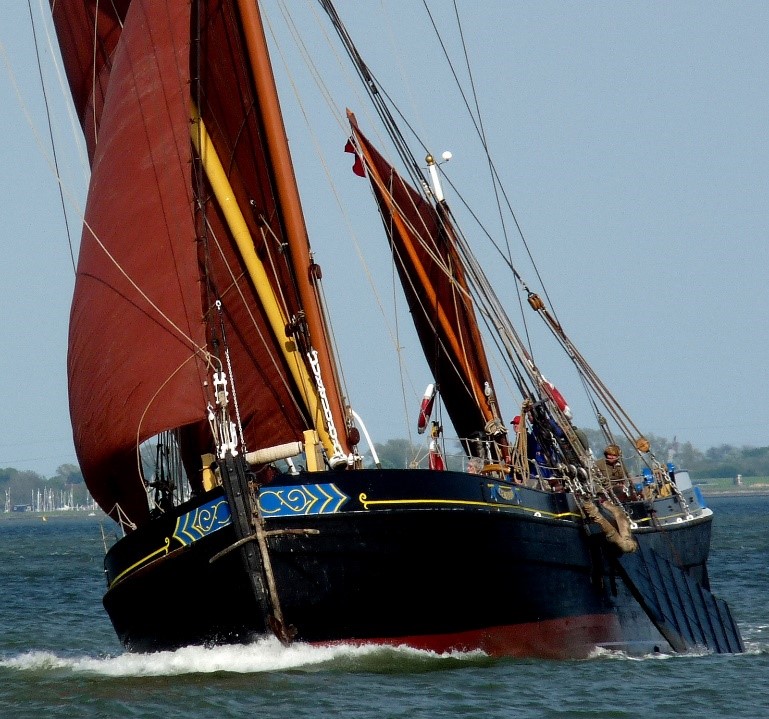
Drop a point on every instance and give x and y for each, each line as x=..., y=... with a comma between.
x=568, y=638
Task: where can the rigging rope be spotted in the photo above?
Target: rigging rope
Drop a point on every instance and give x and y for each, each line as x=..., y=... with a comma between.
x=50, y=134
x=492, y=311
x=339, y=116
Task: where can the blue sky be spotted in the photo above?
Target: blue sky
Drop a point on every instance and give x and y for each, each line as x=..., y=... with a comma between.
x=632, y=140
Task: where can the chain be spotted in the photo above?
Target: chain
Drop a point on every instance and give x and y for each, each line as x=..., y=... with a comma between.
x=312, y=357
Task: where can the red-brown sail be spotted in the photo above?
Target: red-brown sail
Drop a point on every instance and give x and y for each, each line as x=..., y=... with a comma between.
x=162, y=296
x=433, y=281
x=88, y=34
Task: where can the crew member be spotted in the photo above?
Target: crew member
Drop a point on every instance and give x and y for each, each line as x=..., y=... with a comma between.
x=611, y=472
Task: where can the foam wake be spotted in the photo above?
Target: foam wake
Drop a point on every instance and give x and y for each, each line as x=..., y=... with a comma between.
x=264, y=655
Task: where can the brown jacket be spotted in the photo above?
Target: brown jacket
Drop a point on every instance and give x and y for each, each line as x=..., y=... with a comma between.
x=608, y=473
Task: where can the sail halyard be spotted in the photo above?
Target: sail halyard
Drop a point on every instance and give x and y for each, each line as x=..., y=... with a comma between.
x=433, y=280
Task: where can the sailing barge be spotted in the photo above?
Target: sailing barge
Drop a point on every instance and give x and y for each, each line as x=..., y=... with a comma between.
x=197, y=328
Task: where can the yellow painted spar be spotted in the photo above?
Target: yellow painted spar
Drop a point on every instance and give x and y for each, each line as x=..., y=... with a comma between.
x=225, y=196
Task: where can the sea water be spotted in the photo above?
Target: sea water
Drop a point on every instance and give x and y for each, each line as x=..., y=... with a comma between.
x=59, y=656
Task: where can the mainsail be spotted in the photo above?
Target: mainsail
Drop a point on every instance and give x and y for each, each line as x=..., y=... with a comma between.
x=433, y=279
x=168, y=92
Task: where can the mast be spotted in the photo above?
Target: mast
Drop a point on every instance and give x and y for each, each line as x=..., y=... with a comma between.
x=291, y=209
x=278, y=322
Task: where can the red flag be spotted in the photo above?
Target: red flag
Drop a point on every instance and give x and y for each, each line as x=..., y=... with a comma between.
x=357, y=167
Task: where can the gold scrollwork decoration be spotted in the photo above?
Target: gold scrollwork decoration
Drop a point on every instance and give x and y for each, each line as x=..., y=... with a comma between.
x=307, y=499
x=204, y=520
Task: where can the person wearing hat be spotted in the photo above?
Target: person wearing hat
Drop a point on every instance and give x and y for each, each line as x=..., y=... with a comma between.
x=610, y=470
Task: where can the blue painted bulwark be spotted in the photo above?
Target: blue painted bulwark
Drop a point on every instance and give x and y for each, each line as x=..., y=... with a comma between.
x=301, y=499
x=278, y=502
x=204, y=520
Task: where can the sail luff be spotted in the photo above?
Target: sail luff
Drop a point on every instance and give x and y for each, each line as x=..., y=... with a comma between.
x=454, y=342
x=88, y=36
x=472, y=346
x=291, y=210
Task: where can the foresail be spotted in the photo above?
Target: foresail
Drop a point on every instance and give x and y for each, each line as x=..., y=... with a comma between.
x=137, y=280
x=433, y=280
x=164, y=296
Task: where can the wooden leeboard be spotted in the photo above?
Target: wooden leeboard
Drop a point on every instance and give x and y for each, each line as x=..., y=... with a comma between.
x=687, y=614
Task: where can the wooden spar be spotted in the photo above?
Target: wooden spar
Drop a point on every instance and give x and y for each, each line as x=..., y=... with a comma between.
x=226, y=198
x=290, y=205
x=456, y=344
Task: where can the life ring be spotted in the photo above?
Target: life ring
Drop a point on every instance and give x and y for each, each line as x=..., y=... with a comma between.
x=426, y=408
x=552, y=391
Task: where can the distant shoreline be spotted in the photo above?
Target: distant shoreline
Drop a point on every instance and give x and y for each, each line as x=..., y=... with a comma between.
x=53, y=515
x=747, y=492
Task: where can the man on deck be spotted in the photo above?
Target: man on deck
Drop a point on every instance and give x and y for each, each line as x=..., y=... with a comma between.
x=610, y=470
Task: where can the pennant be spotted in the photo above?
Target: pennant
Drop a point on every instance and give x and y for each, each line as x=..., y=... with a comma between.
x=357, y=167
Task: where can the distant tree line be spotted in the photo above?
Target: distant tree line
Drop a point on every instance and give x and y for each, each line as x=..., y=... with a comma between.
x=22, y=486
x=723, y=461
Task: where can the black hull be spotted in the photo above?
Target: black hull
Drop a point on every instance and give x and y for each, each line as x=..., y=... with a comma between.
x=441, y=561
